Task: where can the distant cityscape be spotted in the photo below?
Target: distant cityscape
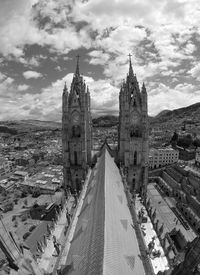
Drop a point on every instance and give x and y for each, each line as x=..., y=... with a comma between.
x=52, y=180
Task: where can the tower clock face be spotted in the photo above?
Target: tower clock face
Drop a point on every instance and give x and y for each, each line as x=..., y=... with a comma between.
x=76, y=118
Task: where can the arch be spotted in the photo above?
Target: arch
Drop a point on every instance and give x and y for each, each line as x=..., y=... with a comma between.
x=135, y=131
x=135, y=158
x=76, y=131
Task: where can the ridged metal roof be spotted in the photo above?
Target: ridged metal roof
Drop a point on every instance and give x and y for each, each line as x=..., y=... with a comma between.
x=104, y=241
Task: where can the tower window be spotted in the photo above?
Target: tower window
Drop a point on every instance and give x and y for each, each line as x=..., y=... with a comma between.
x=75, y=158
x=135, y=131
x=76, y=131
x=135, y=158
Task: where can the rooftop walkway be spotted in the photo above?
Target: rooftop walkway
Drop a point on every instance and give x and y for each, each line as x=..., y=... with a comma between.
x=165, y=213
x=49, y=258
x=158, y=263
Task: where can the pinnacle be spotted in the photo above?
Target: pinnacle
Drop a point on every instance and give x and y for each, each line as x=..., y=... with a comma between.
x=77, y=66
x=143, y=88
x=65, y=87
x=131, y=74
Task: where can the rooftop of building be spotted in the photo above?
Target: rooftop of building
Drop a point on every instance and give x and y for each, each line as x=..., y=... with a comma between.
x=165, y=214
x=158, y=150
x=49, y=178
x=104, y=241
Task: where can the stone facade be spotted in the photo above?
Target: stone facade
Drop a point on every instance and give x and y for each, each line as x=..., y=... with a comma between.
x=133, y=132
x=76, y=131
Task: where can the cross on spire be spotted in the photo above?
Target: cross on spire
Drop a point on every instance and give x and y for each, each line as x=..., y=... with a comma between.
x=78, y=56
x=130, y=66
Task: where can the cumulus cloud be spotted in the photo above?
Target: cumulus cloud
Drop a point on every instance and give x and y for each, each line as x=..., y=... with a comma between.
x=195, y=71
x=159, y=36
x=31, y=74
x=163, y=97
x=22, y=87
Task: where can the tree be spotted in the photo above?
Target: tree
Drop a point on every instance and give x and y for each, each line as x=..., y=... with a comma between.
x=196, y=142
x=185, y=141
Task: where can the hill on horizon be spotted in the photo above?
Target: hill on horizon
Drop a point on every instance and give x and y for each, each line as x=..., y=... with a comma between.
x=177, y=116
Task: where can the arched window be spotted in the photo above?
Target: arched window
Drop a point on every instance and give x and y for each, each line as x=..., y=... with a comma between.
x=76, y=131
x=75, y=158
x=135, y=158
x=135, y=131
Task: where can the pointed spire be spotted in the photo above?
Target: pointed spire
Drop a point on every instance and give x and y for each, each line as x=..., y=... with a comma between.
x=143, y=88
x=130, y=67
x=77, y=65
x=65, y=88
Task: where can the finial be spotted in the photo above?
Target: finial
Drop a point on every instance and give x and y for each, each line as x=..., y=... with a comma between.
x=77, y=65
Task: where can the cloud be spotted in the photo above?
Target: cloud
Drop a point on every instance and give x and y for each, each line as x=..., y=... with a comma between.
x=16, y=27
x=98, y=57
x=195, y=71
x=31, y=74
x=163, y=97
x=47, y=105
x=22, y=87
x=34, y=61
x=161, y=37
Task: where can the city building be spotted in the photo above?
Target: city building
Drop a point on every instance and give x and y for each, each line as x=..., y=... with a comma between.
x=76, y=131
x=197, y=157
x=159, y=157
x=48, y=181
x=133, y=131
x=186, y=154
x=105, y=227
x=6, y=167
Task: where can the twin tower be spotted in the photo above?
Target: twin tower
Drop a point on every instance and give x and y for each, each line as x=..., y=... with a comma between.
x=132, y=132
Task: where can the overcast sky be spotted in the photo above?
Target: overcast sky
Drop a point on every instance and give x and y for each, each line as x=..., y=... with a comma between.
x=39, y=41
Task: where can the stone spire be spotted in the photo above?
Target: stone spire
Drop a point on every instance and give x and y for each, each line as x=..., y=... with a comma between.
x=143, y=88
x=65, y=88
x=77, y=66
x=131, y=74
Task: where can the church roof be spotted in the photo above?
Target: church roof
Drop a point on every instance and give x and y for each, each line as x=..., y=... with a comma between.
x=104, y=241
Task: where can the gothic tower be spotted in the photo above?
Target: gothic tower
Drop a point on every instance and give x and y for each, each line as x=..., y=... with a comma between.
x=76, y=131
x=133, y=132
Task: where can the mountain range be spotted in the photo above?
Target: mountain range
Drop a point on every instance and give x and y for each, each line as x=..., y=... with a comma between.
x=177, y=117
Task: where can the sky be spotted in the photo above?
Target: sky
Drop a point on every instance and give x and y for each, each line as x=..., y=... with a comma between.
x=40, y=39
